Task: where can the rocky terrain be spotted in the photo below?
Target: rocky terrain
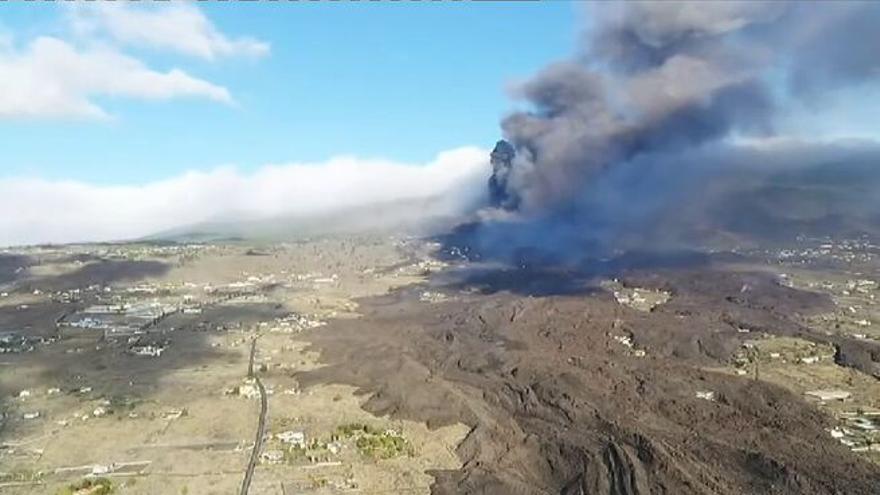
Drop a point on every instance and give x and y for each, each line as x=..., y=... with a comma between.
x=400, y=365
x=579, y=394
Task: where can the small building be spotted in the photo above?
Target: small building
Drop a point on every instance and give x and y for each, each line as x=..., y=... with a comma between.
x=295, y=438
x=148, y=350
x=829, y=394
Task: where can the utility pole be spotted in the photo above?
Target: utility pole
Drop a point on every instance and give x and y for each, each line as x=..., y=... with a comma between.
x=757, y=363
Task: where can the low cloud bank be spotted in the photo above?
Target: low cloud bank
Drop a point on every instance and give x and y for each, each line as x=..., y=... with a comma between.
x=42, y=211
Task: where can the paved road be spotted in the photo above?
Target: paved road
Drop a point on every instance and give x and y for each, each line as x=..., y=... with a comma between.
x=261, y=426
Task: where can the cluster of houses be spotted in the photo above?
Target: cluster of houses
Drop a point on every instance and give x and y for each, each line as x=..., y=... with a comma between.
x=636, y=297
x=12, y=342
x=859, y=425
x=848, y=251
x=295, y=323
x=116, y=320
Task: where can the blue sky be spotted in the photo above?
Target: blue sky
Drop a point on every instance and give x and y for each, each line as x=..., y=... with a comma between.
x=122, y=119
x=401, y=81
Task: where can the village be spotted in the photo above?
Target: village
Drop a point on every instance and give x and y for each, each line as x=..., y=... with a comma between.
x=175, y=369
x=125, y=383
x=848, y=272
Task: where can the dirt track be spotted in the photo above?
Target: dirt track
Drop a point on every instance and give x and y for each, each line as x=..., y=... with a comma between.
x=557, y=405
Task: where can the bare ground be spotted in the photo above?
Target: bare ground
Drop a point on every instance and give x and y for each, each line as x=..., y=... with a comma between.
x=557, y=404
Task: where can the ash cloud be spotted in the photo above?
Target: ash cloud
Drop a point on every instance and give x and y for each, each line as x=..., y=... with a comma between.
x=654, y=109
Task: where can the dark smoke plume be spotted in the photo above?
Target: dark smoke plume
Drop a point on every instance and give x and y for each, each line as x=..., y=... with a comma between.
x=606, y=152
x=501, y=159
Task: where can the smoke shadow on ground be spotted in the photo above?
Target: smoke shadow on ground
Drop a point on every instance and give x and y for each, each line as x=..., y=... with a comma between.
x=534, y=274
x=88, y=360
x=111, y=372
x=103, y=273
x=12, y=266
x=523, y=281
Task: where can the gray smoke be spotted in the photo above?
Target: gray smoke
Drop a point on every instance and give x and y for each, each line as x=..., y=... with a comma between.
x=661, y=77
x=638, y=140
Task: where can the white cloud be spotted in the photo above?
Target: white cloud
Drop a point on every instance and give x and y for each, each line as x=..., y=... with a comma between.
x=52, y=78
x=179, y=27
x=67, y=211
